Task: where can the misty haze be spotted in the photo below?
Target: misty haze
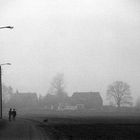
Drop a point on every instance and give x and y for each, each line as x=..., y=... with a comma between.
x=70, y=70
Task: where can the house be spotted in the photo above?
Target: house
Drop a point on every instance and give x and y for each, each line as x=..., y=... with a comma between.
x=23, y=100
x=54, y=102
x=87, y=100
x=78, y=101
x=63, y=107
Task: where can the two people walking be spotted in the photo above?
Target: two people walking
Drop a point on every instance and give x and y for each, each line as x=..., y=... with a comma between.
x=12, y=114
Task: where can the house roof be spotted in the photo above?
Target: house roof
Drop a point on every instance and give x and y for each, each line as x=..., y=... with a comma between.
x=86, y=94
x=25, y=95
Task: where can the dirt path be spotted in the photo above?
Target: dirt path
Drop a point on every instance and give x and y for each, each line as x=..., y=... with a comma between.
x=22, y=129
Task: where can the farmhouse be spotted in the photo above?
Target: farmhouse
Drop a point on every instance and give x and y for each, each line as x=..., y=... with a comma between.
x=23, y=100
x=78, y=101
x=62, y=107
x=90, y=100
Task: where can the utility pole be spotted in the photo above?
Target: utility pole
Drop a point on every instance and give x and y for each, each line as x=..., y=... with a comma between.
x=1, y=88
x=3, y=27
x=0, y=94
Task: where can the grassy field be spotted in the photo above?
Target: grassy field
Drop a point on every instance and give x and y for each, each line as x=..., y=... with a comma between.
x=88, y=125
x=93, y=128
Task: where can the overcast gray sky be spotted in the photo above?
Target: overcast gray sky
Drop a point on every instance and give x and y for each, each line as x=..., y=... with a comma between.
x=93, y=42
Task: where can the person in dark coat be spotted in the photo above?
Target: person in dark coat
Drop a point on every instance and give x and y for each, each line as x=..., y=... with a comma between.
x=10, y=114
x=14, y=113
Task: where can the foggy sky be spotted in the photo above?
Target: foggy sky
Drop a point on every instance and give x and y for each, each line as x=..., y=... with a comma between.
x=93, y=42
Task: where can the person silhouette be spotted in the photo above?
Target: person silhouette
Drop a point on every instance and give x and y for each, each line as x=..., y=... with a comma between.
x=10, y=114
x=14, y=113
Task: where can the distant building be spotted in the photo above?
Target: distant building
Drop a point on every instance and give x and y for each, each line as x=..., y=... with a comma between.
x=78, y=101
x=50, y=102
x=80, y=106
x=23, y=100
x=54, y=102
x=87, y=100
x=63, y=107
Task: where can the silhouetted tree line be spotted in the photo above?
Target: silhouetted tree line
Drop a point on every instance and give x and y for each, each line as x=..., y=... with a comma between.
x=118, y=94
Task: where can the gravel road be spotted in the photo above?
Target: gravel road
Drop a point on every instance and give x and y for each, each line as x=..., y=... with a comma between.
x=22, y=129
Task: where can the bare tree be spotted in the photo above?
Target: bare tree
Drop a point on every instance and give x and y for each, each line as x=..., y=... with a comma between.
x=58, y=86
x=119, y=93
